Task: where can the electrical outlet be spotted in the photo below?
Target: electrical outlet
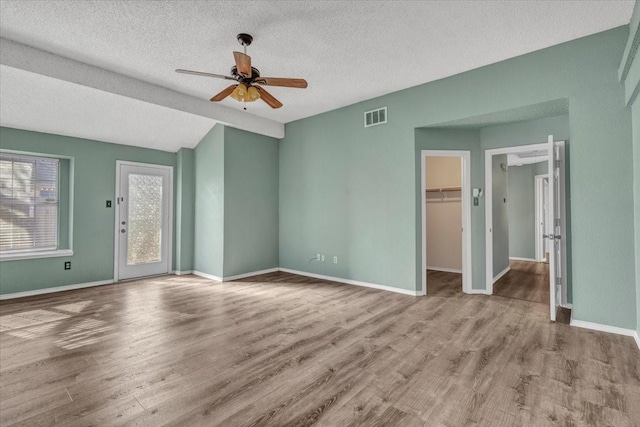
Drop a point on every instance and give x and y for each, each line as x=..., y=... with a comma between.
x=317, y=257
x=322, y=258
x=108, y=203
x=335, y=259
x=67, y=265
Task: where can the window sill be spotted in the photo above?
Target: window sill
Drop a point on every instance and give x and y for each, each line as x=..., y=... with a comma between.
x=35, y=255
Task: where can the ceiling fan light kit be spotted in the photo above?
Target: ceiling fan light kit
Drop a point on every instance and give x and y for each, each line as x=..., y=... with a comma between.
x=249, y=83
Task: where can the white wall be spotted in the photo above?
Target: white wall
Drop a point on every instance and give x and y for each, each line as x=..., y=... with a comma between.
x=444, y=217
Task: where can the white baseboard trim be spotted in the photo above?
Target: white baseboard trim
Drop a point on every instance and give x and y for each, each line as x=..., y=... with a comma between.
x=182, y=273
x=56, y=289
x=515, y=258
x=567, y=305
x=445, y=269
x=605, y=328
x=502, y=273
x=478, y=292
x=354, y=282
x=252, y=273
x=637, y=338
x=207, y=276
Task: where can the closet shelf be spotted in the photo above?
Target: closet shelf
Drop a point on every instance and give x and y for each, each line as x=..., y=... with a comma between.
x=443, y=189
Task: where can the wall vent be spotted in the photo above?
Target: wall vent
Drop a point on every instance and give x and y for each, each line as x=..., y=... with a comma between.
x=375, y=117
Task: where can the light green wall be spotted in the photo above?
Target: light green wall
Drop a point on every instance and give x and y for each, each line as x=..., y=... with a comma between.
x=185, y=205
x=93, y=223
x=630, y=76
x=500, y=214
x=522, y=211
x=250, y=202
x=236, y=202
x=527, y=132
x=209, y=203
x=349, y=190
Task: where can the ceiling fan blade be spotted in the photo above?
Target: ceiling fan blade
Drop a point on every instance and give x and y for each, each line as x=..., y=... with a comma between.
x=243, y=63
x=282, y=81
x=268, y=98
x=200, y=73
x=223, y=94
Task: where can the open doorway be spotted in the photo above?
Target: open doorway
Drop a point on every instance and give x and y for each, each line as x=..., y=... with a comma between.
x=446, y=221
x=525, y=214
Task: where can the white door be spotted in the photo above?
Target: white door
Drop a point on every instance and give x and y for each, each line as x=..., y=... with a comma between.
x=143, y=226
x=541, y=189
x=556, y=227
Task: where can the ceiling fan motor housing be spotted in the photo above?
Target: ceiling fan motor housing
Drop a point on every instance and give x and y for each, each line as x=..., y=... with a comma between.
x=255, y=73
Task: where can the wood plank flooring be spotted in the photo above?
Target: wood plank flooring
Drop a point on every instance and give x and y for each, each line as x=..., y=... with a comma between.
x=285, y=350
x=526, y=280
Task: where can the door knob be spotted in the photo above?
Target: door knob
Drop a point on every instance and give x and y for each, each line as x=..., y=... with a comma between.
x=122, y=231
x=124, y=222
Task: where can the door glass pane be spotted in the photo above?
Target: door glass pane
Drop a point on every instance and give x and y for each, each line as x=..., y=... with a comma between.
x=145, y=219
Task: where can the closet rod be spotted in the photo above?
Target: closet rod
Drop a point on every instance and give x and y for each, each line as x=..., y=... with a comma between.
x=443, y=189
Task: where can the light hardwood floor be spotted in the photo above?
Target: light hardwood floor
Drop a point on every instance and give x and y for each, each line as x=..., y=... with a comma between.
x=526, y=280
x=284, y=350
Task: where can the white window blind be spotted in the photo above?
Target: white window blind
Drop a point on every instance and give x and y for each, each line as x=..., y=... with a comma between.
x=28, y=203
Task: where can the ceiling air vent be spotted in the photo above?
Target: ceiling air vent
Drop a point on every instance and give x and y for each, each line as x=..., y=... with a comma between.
x=375, y=117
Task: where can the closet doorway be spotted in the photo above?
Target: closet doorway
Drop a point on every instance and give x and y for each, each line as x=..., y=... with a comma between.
x=446, y=218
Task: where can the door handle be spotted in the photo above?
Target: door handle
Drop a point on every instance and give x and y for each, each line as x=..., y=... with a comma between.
x=124, y=222
x=123, y=231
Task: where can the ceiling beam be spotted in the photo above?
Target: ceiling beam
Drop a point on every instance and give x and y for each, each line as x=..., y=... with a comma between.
x=24, y=57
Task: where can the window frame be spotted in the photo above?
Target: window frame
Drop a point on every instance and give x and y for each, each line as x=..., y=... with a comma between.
x=65, y=206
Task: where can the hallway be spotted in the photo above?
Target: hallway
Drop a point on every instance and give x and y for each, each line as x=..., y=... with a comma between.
x=526, y=280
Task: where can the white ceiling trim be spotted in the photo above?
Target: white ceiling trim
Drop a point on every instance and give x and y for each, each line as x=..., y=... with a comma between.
x=27, y=58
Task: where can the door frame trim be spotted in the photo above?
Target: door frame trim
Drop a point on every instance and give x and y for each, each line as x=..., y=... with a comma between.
x=116, y=211
x=465, y=157
x=539, y=193
x=488, y=203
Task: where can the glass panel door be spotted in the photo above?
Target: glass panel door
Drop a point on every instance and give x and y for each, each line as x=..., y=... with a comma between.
x=143, y=220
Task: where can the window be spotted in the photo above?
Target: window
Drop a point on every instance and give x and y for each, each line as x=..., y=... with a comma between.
x=29, y=205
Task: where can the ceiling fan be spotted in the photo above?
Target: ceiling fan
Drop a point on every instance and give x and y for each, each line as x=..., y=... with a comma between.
x=248, y=86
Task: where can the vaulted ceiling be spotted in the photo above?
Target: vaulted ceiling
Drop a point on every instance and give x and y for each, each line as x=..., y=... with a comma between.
x=111, y=76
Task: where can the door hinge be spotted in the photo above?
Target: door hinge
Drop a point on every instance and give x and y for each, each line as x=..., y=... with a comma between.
x=557, y=163
x=557, y=222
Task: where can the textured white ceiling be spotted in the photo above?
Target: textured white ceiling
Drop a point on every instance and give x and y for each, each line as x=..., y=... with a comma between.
x=347, y=51
x=64, y=108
